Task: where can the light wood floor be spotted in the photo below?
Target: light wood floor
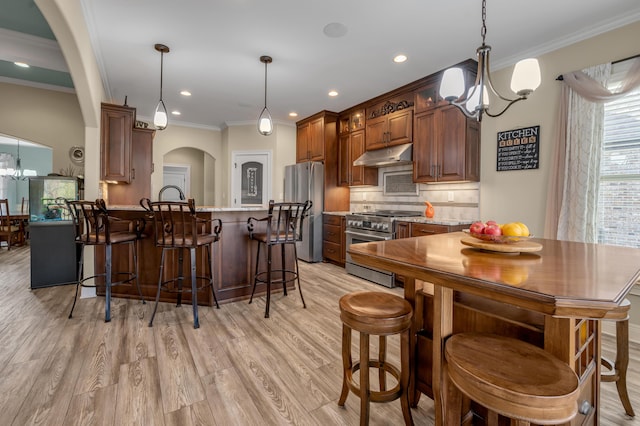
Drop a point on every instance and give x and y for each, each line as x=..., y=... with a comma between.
x=237, y=369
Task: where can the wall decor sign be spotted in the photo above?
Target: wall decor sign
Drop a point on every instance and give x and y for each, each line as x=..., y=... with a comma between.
x=518, y=149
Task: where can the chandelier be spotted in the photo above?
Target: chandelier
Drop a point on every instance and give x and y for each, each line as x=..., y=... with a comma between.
x=525, y=79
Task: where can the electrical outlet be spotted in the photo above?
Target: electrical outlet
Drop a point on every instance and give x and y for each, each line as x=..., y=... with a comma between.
x=449, y=196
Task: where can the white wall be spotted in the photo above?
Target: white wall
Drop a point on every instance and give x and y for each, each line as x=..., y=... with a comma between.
x=521, y=195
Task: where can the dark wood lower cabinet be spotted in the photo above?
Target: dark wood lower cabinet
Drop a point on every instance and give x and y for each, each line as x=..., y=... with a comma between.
x=234, y=258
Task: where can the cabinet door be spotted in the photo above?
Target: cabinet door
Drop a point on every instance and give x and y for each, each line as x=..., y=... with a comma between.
x=376, y=129
x=424, y=155
x=302, y=143
x=403, y=230
x=361, y=175
x=116, y=126
x=452, y=144
x=316, y=139
x=344, y=160
x=400, y=127
x=472, y=160
x=141, y=169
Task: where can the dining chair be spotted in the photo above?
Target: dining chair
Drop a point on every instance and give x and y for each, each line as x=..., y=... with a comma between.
x=10, y=229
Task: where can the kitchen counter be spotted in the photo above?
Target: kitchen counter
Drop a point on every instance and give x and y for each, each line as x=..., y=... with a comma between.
x=208, y=209
x=341, y=213
x=422, y=219
x=233, y=256
x=570, y=285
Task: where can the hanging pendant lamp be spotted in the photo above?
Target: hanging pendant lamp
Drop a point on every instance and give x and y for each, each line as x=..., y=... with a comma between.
x=525, y=79
x=265, y=124
x=160, y=118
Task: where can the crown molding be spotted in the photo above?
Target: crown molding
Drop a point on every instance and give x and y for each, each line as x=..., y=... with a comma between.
x=35, y=51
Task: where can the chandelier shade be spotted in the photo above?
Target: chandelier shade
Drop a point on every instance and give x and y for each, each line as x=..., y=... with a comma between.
x=265, y=123
x=525, y=79
x=160, y=117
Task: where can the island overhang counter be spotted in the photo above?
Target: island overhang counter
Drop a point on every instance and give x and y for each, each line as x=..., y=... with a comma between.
x=233, y=257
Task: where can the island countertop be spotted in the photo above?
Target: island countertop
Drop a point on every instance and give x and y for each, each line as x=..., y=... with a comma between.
x=207, y=209
x=569, y=284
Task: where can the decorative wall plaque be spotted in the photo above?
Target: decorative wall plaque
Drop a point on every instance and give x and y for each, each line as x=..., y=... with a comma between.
x=518, y=149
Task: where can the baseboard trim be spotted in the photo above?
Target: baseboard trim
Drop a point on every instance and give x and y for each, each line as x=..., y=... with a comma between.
x=609, y=327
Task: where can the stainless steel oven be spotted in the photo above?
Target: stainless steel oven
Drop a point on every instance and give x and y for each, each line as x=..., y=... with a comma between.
x=368, y=227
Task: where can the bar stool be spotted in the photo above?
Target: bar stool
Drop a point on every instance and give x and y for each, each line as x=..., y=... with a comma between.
x=509, y=377
x=381, y=314
x=283, y=228
x=94, y=227
x=176, y=227
x=617, y=371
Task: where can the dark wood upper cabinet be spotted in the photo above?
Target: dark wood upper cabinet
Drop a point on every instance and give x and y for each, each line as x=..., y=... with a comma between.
x=446, y=146
x=310, y=140
x=116, y=127
x=141, y=170
x=391, y=129
x=351, y=146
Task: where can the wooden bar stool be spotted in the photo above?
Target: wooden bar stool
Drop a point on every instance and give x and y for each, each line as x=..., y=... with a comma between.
x=382, y=314
x=617, y=371
x=509, y=377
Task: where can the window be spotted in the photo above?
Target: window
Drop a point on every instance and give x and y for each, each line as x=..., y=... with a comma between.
x=619, y=193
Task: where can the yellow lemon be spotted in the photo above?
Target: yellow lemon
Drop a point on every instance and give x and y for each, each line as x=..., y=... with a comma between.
x=512, y=229
x=525, y=229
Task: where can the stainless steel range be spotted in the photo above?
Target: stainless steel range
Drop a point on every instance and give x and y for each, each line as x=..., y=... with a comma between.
x=366, y=227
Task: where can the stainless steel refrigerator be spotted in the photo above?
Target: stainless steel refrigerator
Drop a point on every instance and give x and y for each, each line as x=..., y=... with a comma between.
x=302, y=182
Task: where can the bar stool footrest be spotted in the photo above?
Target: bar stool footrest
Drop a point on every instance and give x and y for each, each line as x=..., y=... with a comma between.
x=377, y=396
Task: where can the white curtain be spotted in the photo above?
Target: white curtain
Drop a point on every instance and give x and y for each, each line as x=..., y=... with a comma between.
x=580, y=130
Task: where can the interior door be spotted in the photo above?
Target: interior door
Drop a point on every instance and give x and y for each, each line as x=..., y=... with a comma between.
x=251, y=179
x=177, y=176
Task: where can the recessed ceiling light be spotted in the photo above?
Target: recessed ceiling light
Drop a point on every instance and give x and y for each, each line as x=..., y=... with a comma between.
x=333, y=93
x=22, y=64
x=185, y=93
x=293, y=114
x=175, y=112
x=400, y=58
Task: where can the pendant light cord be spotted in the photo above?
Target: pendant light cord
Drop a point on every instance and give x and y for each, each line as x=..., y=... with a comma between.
x=265, y=84
x=483, y=30
x=161, y=68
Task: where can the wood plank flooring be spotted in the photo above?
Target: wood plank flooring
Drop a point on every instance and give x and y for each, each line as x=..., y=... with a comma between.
x=236, y=369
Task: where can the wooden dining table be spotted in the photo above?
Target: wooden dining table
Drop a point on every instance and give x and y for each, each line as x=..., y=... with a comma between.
x=571, y=285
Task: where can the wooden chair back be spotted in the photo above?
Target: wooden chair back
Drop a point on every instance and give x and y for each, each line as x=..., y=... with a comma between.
x=10, y=229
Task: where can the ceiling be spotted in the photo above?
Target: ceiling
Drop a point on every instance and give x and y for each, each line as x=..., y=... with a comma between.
x=215, y=48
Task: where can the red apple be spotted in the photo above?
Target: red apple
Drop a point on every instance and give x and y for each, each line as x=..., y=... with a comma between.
x=491, y=222
x=477, y=227
x=492, y=230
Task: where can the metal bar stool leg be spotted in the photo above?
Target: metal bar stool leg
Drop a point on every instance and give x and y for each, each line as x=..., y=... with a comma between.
x=194, y=287
x=213, y=292
x=136, y=269
x=180, y=275
x=295, y=256
x=107, y=302
x=80, y=264
x=255, y=275
x=266, y=310
x=155, y=308
x=283, y=259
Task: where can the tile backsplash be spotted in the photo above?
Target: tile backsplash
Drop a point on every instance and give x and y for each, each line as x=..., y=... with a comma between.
x=450, y=200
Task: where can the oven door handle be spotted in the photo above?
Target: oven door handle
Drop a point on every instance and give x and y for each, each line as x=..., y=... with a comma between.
x=369, y=236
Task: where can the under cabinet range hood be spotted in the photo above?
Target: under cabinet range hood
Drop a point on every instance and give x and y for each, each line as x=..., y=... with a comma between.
x=391, y=156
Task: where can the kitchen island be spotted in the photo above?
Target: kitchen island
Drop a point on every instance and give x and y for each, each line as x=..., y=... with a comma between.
x=233, y=257
x=561, y=292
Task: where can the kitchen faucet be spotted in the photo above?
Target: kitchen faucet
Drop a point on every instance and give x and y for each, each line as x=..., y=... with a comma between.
x=164, y=188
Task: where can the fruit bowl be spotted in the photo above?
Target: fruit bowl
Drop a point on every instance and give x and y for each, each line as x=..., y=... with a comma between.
x=499, y=239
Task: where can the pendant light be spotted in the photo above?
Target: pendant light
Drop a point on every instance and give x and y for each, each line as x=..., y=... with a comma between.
x=525, y=79
x=160, y=118
x=265, y=124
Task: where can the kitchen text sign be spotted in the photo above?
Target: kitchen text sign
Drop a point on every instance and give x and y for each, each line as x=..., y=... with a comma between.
x=519, y=149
